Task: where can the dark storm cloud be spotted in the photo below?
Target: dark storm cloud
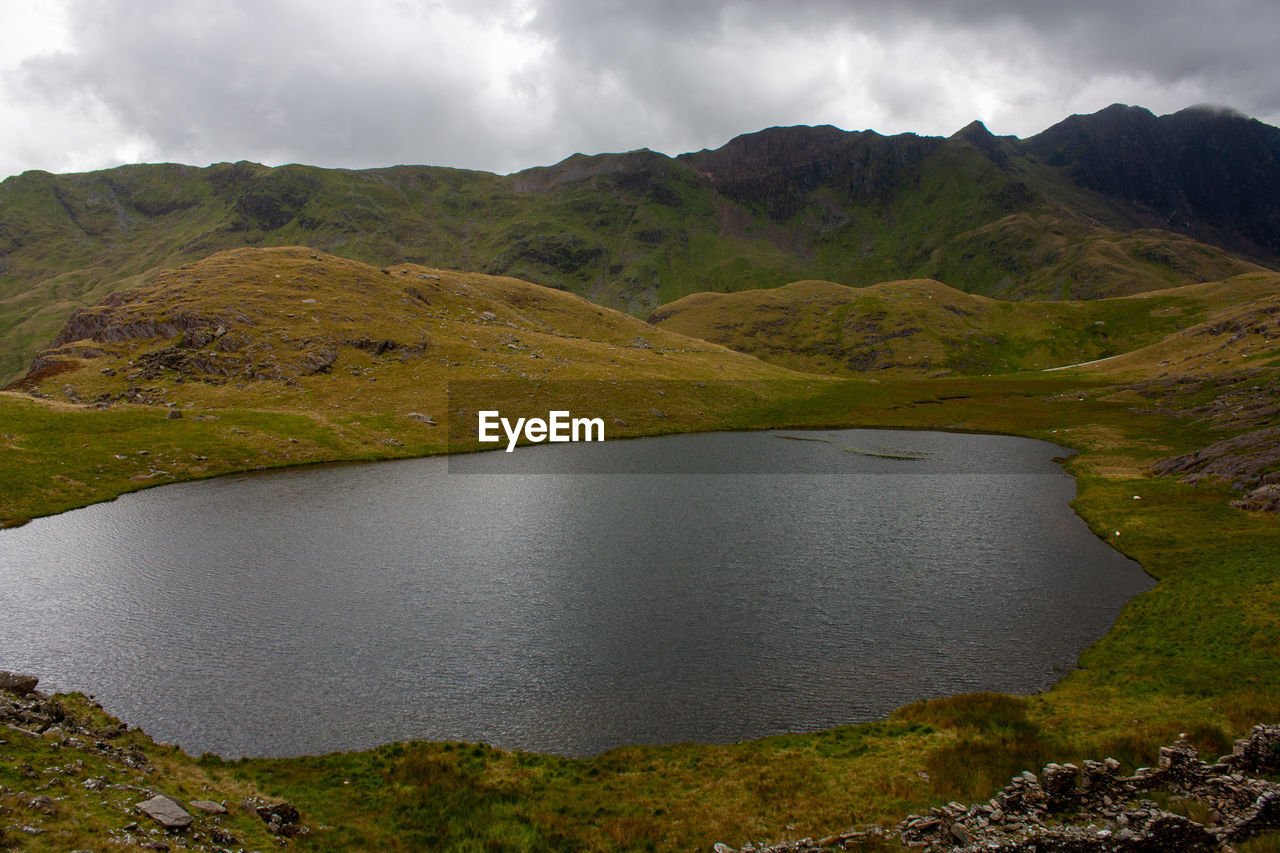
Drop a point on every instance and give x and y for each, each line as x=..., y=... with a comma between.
x=1227, y=42
x=1170, y=40
x=501, y=84
x=1224, y=49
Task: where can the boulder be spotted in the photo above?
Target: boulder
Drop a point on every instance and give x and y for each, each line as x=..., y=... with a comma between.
x=207, y=806
x=1265, y=498
x=281, y=813
x=167, y=812
x=281, y=818
x=42, y=803
x=319, y=361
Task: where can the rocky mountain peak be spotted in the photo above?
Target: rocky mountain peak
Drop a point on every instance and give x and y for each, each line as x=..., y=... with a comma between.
x=775, y=150
x=996, y=149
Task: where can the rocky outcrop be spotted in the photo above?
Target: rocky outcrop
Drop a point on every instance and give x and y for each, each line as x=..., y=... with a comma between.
x=30, y=712
x=282, y=819
x=208, y=349
x=1094, y=807
x=95, y=759
x=114, y=321
x=1265, y=498
x=777, y=168
x=1242, y=400
x=17, y=683
x=1240, y=460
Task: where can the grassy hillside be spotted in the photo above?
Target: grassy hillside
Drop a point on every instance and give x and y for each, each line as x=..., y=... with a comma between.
x=923, y=327
x=281, y=356
x=1243, y=335
x=630, y=231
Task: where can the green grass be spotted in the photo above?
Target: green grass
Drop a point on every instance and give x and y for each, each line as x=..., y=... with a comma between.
x=1266, y=843
x=58, y=458
x=923, y=327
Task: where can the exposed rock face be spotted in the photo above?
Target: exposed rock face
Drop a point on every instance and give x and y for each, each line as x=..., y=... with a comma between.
x=997, y=149
x=1243, y=399
x=1238, y=460
x=202, y=347
x=1248, y=462
x=105, y=325
x=17, y=683
x=319, y=361
x=777, y=167
x=1094, y=808
x=1207, y=172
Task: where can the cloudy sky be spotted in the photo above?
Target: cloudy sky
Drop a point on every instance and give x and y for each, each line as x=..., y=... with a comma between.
x=504, y=84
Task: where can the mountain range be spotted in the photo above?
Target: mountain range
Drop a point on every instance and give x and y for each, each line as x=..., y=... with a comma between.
x=1103, y=205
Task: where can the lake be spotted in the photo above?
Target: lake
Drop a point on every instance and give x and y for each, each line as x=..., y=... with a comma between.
x=567, y=598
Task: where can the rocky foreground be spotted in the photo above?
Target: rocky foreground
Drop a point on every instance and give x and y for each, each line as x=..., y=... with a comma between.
x=1094, y=808
x=101, y=768
x=116, y=779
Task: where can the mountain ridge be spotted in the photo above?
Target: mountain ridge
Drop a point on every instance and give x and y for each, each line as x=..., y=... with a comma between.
x=986, y=214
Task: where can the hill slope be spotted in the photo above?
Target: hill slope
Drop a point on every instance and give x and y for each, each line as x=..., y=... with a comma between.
x=997, y=216
x=924, y=327
x=267, y=357
x=1236, y=337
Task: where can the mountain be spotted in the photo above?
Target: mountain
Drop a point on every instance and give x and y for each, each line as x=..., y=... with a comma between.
x=1207, y=172
x=1114, y=203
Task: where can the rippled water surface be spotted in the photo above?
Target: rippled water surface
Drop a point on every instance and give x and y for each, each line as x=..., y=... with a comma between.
x=707, y=587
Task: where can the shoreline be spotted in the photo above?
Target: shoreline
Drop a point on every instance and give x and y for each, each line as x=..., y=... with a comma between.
x=1191, y=655
x=1061, y=675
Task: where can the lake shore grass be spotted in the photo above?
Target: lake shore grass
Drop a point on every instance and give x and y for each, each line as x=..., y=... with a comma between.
x=1200, y=653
